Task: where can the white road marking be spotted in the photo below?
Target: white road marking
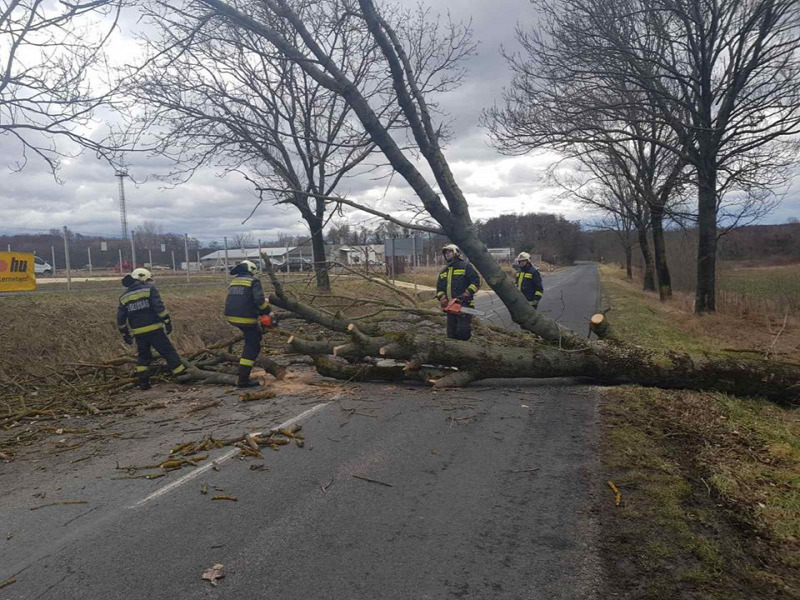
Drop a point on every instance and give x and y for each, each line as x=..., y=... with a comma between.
x=228, y=455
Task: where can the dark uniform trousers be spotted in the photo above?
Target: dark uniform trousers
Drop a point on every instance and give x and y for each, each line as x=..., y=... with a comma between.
x=252, y=344
x=145, y=343
x=459, y=327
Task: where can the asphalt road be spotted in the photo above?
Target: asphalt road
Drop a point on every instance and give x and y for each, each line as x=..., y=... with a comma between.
x=484, y=492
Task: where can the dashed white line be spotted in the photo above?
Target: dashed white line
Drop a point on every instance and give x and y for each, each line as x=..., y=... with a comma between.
x=228, y=455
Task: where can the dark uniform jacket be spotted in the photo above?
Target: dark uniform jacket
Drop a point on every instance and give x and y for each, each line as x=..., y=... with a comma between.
x=457, y=278
x=245, y=301
x=529, y=282
x=141, y=309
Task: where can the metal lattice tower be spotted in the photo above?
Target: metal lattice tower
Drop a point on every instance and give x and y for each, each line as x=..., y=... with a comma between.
x=123, y=211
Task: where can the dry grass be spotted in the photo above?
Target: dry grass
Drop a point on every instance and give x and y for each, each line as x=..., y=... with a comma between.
x=641, y=317
x=711, y=482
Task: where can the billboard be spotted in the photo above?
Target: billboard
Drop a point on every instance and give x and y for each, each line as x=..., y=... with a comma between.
x=17, y=272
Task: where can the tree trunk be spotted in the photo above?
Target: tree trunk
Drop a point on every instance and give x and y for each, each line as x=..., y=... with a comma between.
x=649, y=267
x=318, y=251
x=705, y=296
x=629, y=262
x=660, y=250
x=604, y=362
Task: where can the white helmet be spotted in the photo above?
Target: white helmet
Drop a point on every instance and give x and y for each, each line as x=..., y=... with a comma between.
x=456, y=250
x=523, y=256
x=141, y=274
x=251, y=266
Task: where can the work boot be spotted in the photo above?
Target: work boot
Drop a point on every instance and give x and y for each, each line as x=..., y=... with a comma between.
x=243, y=380
x=144, y=384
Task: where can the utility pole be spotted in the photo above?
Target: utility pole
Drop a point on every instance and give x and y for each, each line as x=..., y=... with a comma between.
x=66, y=257
x=123, y=211
x=133, y=251
x=227, y=271
x=53, y=253
x=186, y=252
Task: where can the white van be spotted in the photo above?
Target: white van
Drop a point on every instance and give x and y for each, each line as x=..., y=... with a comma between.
x=41, y=266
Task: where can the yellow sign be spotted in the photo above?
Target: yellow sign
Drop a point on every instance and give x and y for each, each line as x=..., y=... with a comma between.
x=17, y=272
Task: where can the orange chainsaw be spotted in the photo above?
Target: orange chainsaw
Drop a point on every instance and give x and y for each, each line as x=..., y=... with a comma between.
x=454, y=307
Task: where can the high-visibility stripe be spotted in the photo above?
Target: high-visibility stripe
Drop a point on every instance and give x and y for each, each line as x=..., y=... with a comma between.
x=519, y=281
x=528, y=276
x=459, y=271
x=246, y=362
x=141, y=369
x=242, y=320
x=443, y=274
x=178, y=369
x=472, y=287
x=134, y=296
x=164, y=316
x=264, y=306
x=450, y=282
x=538, y=293
x=146, y=329
x=122, y=328
x=439, y=294
x=244, y=282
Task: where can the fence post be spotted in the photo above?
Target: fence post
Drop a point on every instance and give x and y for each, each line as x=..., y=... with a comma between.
x=53, y=253
x=227, y=272
x=150, y=256
x=133, y=250
x=186, y=252
x=66, y=258
x=89, y=252
x=120, y=260
x=174, y=270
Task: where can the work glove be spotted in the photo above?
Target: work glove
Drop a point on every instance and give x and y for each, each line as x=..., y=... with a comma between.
x=465, y=298
x=443, y=301
x=168, y=326
x=126, y=337
x=534, y=304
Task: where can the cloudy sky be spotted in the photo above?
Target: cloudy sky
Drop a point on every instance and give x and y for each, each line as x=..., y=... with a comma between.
x=209, y=207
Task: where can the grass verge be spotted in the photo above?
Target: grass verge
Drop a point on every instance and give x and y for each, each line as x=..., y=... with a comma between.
x=710, y=483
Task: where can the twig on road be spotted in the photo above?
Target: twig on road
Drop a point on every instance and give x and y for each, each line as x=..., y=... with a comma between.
x=373, y=480
x=60, y=502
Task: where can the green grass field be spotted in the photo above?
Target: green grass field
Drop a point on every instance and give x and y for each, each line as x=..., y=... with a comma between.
x=760, y=290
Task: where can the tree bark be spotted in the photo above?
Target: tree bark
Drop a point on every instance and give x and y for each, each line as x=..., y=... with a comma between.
x=629, y=262
x=705, y=296
x=603, y=362
x=649, y=267
x=660, y=251
x=318, y=251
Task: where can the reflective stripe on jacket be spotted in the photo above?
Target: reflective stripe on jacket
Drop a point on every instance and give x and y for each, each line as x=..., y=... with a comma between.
x=141, y=309
x=529, y=282
x=457, y=278
x=245, y=301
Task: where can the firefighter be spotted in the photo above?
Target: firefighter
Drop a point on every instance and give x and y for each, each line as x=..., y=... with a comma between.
x=460, y=281
x=141, y=314
x=248, y=309
x=529, y=280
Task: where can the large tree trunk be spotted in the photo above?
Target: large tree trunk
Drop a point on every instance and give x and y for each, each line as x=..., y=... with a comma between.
x=660, y=250
x=629, y=261
x=705, y=297
x=602, y=361
x=318, y=251
x=649, y=283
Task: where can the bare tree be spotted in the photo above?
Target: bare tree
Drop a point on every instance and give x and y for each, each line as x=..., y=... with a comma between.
x=46, y=92
x=243, y=241
x=722, y=76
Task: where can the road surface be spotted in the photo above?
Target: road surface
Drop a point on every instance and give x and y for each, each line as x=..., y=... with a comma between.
x=477, y=493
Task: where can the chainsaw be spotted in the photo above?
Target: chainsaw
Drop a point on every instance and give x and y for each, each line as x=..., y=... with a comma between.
x=454, y=307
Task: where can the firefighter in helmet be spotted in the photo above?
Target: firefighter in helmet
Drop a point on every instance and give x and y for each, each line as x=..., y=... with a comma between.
x=458, y=280
x=141, y=316
x=529, y=280
x=247, y=308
